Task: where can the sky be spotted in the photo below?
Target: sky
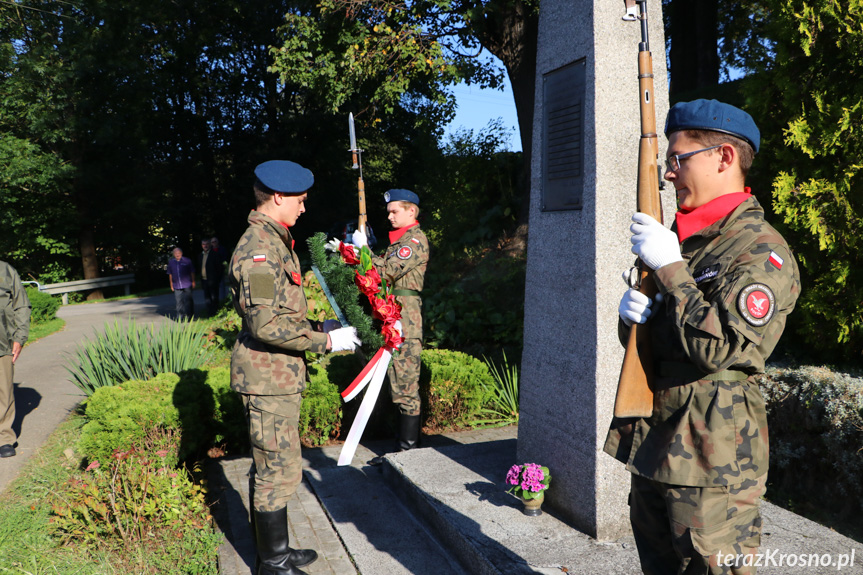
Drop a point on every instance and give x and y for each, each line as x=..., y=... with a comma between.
x=476, y=107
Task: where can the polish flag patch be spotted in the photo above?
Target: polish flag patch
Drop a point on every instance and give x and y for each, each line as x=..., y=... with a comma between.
x=776, y=260
x=416, y=241
x=259, y=258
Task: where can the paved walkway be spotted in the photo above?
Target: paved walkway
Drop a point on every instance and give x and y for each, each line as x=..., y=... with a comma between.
x=44, y=394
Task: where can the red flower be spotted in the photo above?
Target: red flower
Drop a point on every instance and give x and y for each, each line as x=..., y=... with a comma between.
x=370, y=283
x=392, y=338
x=387, y=310
x=348, y=254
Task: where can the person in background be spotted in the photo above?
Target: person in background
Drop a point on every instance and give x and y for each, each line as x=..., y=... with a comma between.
x=220, y=251
x=181, y=277
x=14, y=330
x=211, y=274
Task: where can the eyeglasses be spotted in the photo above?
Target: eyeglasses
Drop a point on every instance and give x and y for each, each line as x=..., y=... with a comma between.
x=672, y=164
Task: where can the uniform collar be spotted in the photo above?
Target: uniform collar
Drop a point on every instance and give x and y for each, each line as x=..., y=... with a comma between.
x=279, y=228
x=693, y=221
x=396, y=235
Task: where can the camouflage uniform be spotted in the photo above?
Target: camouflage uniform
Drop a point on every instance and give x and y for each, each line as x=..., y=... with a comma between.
x=14, y=327
x=268, y=364
x=706, y=444
x=404, y=268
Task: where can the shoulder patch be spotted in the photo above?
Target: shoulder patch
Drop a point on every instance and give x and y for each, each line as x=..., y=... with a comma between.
x=404, y=252
x=756, y=303
x=296, y=279
x=776, y=260
x=416, y=241
x=259, y=258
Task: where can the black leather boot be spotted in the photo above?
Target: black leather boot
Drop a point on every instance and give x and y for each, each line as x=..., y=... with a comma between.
x=275, y=557
x=409, y=431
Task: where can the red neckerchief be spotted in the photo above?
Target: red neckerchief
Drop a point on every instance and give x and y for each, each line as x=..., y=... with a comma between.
x=287, y=227
x=396, y=235
x=696, y=219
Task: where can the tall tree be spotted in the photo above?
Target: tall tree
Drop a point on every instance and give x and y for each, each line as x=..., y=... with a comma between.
x=386, y=53
x=809, y=100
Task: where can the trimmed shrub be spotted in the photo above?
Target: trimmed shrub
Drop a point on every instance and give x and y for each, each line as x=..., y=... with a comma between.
x=815, y=418
x=454, y=388
x=321, y=410
x=229, y=420
x=43, y=306
x=123, y=416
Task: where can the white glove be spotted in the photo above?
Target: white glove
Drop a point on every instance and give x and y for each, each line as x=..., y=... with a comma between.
x=344, y=339
x=653, y=243
x=359, y=238
x=635, y=307
x=332, y=245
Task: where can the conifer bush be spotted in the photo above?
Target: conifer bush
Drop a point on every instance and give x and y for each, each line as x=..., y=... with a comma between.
x=121, y=417
x=454, y=388
x=43, y=306
x=815, y=419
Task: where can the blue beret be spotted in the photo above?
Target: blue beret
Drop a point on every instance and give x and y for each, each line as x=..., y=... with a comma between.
x=284, y=177
x=714, y=116
x=397, y=195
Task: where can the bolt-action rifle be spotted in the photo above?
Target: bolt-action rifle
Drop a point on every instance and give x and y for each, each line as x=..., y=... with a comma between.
x=635, y=386
x=357, y=156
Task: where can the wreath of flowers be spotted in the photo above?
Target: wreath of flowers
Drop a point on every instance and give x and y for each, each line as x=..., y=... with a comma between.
x=346, y=285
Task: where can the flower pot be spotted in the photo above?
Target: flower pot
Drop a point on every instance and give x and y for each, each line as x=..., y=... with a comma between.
x=532, y=506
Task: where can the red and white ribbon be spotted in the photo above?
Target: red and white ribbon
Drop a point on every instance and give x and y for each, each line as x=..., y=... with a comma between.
x=372, y=376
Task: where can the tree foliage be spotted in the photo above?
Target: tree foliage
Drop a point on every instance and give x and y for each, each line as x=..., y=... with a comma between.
x=813, y=88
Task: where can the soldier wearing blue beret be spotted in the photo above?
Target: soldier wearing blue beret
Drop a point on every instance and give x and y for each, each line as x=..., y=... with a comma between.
x=727, y=281
x=404, y=267
x=268, y=366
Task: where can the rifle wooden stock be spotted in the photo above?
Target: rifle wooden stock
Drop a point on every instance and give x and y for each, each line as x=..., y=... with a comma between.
x=635, y=386
x=361, y=192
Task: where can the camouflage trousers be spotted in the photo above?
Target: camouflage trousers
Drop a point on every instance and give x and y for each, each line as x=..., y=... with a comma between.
x=682, y=530
x=278, y=465
x=404, y=374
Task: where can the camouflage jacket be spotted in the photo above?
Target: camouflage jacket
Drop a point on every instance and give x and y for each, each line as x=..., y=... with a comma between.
x=14, y=310
x=267, y=292
x=724, y=310
x=404, y=267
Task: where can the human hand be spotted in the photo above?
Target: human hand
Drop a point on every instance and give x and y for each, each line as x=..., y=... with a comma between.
x=359, y=238
x=653, y=243
x=16, y=350
x=332, y=245
x=344, y=339
x=635, y=307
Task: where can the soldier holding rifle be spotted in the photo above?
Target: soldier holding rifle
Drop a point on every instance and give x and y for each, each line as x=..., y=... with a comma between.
x=726, y=284
x=404, y=267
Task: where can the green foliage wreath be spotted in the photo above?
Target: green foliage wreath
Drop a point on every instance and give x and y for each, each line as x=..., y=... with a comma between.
x=340, y=280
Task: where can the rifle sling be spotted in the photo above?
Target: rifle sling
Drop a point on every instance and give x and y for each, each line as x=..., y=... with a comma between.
x=405, y=292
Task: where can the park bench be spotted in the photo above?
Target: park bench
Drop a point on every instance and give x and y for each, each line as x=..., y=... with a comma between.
x=64, y=288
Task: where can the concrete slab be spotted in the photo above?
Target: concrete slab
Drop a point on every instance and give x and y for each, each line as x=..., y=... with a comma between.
x=380, y=534
x=459, y=491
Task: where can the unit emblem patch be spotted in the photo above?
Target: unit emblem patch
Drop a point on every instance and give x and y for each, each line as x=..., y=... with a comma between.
x=756, y=304
x=404, y=252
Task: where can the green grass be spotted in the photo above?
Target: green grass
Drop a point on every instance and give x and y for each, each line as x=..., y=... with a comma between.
x=160, y=291
x=26, y=545
x=44, y=329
